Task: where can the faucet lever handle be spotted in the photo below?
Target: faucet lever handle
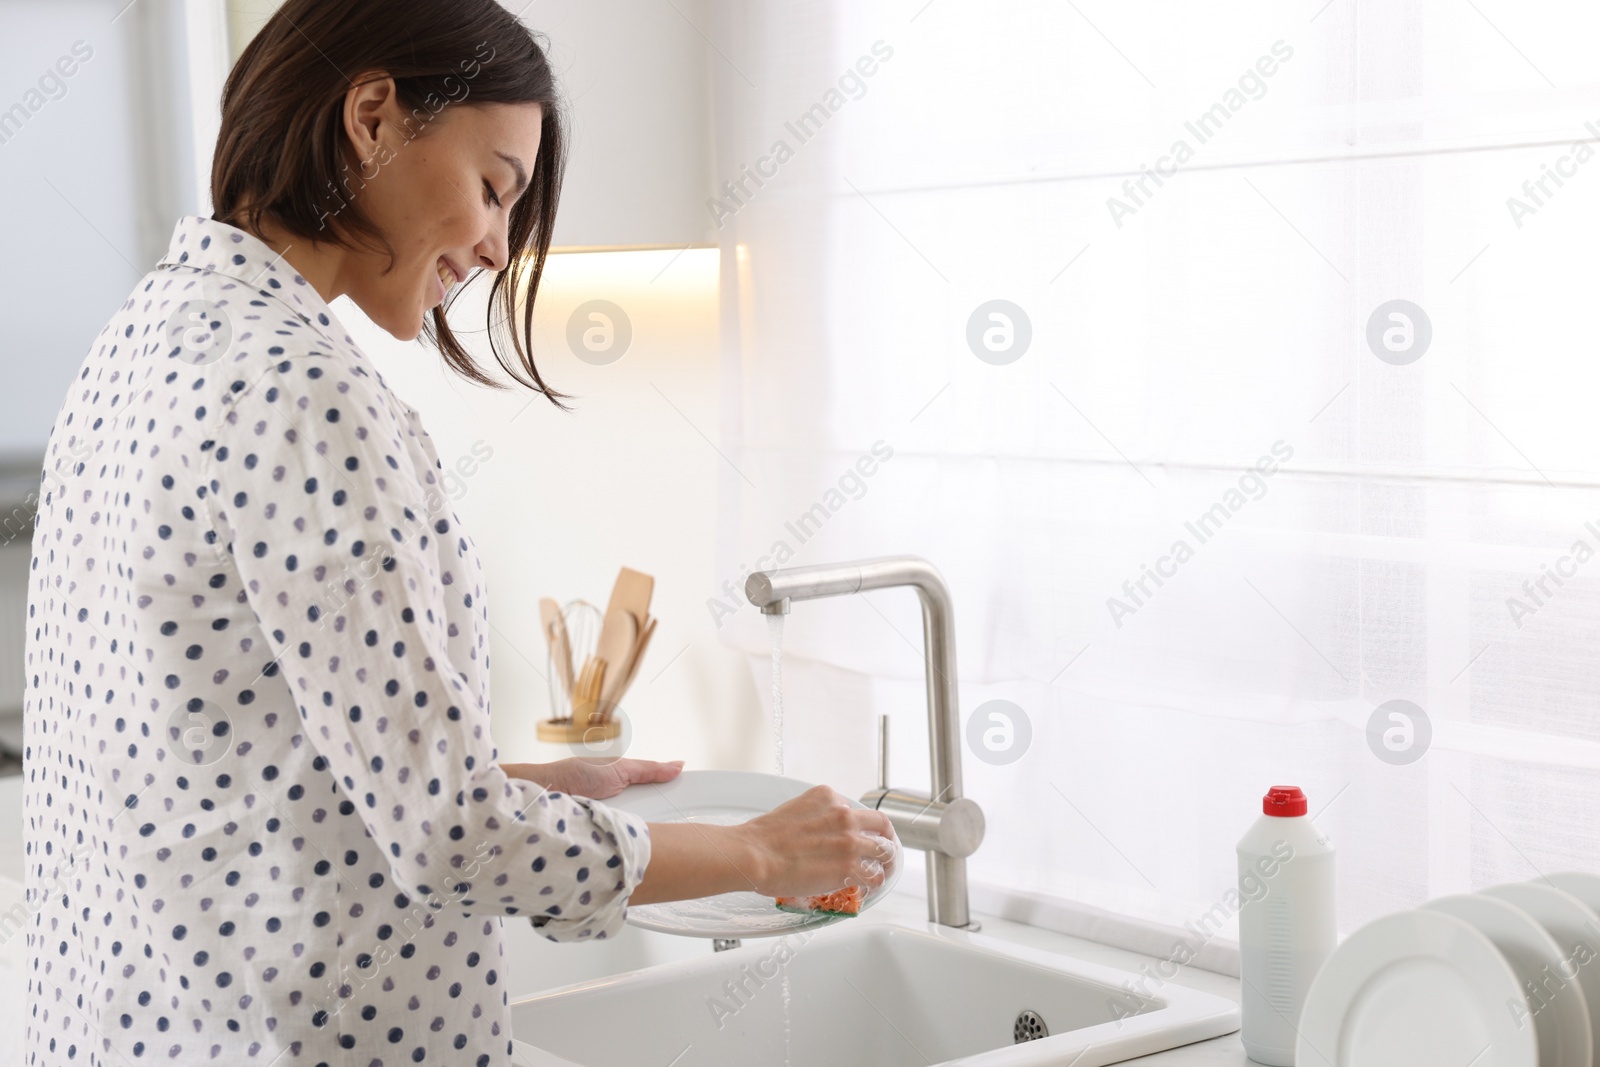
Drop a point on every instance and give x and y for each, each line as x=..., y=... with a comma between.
x=883, y=752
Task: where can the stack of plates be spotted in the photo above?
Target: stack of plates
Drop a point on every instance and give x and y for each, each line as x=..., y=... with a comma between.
x=1509, y=977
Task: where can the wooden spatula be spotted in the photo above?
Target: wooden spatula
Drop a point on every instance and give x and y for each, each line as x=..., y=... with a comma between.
x=632, y=594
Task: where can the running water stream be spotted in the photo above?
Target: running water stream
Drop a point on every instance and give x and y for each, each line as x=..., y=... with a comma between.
x=775, y=630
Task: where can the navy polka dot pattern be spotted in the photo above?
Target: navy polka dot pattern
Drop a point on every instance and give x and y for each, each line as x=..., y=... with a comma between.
x=264, y=815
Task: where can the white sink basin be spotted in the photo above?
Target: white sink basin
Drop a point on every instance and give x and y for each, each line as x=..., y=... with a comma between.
x=886, y=993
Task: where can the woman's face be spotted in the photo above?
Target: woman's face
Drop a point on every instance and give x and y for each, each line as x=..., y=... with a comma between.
x=440, y=191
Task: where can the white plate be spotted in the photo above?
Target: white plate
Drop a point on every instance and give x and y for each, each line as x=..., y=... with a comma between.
x=1415, y=987
x=1572, y=924
x=1581, y=884
x=1557, y=1010
x=724, y=798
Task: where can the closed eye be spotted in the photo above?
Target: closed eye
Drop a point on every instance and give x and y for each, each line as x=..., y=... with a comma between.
x=489, y=190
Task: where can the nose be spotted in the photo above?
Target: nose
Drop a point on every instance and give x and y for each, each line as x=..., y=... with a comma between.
x=493, y=251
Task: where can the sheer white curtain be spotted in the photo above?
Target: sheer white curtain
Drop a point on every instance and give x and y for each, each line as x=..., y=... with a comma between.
x=1204, y=213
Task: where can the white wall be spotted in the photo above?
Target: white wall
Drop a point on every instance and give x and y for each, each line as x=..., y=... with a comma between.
x=636, y=82
x=71, y=181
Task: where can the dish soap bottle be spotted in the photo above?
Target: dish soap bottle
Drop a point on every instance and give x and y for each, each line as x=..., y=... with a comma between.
x=1287, y=926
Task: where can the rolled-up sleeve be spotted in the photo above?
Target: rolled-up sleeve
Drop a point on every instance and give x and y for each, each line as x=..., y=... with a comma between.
x=316, y=491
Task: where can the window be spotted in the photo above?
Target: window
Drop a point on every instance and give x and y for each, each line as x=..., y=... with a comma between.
x=1300, y=424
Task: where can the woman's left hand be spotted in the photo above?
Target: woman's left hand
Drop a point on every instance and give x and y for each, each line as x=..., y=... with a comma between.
x=596, y=779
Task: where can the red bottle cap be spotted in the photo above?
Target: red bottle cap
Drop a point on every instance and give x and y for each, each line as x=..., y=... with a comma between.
x=1284, y=801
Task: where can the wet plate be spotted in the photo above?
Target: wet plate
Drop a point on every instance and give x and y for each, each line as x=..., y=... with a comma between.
x=724, y=798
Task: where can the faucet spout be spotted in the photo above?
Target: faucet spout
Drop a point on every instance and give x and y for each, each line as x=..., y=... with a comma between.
x=946, y=824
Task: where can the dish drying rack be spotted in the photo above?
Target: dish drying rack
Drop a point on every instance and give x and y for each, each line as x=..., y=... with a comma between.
x=593, y=658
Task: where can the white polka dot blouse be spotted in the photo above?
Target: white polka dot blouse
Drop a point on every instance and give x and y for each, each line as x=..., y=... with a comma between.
x=264, y=816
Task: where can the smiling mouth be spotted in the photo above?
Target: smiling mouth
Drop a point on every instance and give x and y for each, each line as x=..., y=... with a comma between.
x=447, y=279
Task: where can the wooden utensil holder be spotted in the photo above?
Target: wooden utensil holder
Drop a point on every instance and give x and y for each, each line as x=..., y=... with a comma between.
x=608, y=645
x=576, y=725
x=568, y=732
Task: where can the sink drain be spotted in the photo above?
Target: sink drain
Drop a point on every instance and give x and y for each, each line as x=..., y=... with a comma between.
x=1028, y=1027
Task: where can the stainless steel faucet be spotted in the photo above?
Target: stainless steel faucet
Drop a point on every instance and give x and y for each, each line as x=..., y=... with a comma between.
x=946, y=825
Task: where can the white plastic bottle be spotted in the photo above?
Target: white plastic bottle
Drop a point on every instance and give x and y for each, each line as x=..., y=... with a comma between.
x=1287, y=922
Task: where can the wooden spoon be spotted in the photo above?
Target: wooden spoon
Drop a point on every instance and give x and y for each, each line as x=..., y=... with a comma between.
x=555, y=633
x=586, y=696
x=622, y=677
x=617, y=634
x=638, y=651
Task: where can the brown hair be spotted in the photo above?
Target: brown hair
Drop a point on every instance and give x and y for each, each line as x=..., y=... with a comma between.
x=282, y=151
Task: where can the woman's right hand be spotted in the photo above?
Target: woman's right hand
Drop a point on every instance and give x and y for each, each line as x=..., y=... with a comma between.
x=819, y=842
x=816, y=843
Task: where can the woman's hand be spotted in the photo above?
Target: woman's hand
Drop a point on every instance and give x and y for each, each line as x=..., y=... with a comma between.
x=595, y=779
x=819, y=842
x=816, y=843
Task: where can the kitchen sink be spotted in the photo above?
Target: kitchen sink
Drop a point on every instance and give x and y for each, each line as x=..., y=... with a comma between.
x=890, y=993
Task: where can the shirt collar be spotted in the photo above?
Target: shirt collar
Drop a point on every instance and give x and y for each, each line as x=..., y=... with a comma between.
x=216, y=247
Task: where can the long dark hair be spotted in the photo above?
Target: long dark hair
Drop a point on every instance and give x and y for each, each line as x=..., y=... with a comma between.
x=282, y=151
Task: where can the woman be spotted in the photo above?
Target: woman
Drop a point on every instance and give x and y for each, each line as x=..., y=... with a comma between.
x=264, y=815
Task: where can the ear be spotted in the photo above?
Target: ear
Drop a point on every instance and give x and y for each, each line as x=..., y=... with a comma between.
x=370, y=105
